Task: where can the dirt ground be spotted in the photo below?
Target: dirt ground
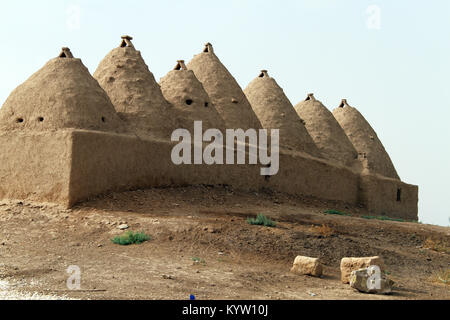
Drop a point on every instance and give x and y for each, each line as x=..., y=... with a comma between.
x=38, y=242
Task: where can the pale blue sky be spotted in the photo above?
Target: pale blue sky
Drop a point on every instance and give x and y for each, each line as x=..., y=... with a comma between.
x=397, y=76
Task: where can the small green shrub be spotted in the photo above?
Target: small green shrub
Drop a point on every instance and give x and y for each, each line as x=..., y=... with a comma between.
x=339, y=213
x=130, y=238
x=382, y=218
x=261, y=220
x=442, y=276
x=199, y=261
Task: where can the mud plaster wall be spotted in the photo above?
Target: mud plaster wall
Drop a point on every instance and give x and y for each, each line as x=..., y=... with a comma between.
x=98, y=168
x=35, y=166
x=79, y=164
x=380, y=196
x=304, y=175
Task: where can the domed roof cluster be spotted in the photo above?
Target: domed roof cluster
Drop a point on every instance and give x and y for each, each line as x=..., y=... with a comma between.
x=124, y=97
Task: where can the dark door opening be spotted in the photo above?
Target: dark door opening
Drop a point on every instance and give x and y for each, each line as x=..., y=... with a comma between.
x=399, y=195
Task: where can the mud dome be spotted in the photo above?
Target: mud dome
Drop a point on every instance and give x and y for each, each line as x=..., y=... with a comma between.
x=134, y=92
x=62, y=140
x=275, y=111
x=61, y=95
x=225, y=92
x=326, y=132
x=371, y=151
x=189, y=99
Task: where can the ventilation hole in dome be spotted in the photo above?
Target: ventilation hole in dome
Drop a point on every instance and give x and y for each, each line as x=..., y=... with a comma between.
x=189, y=102
x=123, y=44
x=66, y=53
x=206, y=104
x=103, y=119
x=234, y=101
x=19, y=120
x=40, y=119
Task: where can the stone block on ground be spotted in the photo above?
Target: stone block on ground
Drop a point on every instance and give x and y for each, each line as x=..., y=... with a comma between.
x=352, y=264
x=371, y=280
x=307, y=266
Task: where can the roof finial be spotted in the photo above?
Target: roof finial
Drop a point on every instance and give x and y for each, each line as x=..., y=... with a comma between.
x=180, y=65
x=311, y=97
x=208, y=48
x=264, y=74
x=126, y=42
x=65, y=53
x=344, y=103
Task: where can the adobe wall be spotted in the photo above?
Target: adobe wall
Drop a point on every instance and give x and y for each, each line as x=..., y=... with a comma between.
x=74, y=165
x=35, y=166
x=104, y=162
x=390, y=197
x=301, y=174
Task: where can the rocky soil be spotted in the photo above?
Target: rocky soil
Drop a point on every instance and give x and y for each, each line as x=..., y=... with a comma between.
x=201, y=244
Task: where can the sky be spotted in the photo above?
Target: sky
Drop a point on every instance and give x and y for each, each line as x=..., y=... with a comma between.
x=389, y=58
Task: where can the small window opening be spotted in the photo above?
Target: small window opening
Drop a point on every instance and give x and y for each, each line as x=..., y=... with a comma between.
x=40, y=119
x=189, y=102
x=19, y=120
x=206, y=104
x=103, y=119
x=399, y=195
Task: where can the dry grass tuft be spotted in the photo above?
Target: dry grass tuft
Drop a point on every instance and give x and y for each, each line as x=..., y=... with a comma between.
x=436, y=245
x=441, y=277
x=323, y=230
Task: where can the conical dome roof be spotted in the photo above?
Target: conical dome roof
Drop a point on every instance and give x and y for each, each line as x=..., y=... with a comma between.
x=62, y=94
x=189, y=99
x=326, y=132
x=134, y=92
x=225, y=92
x=275, y=111
x=370, y=149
